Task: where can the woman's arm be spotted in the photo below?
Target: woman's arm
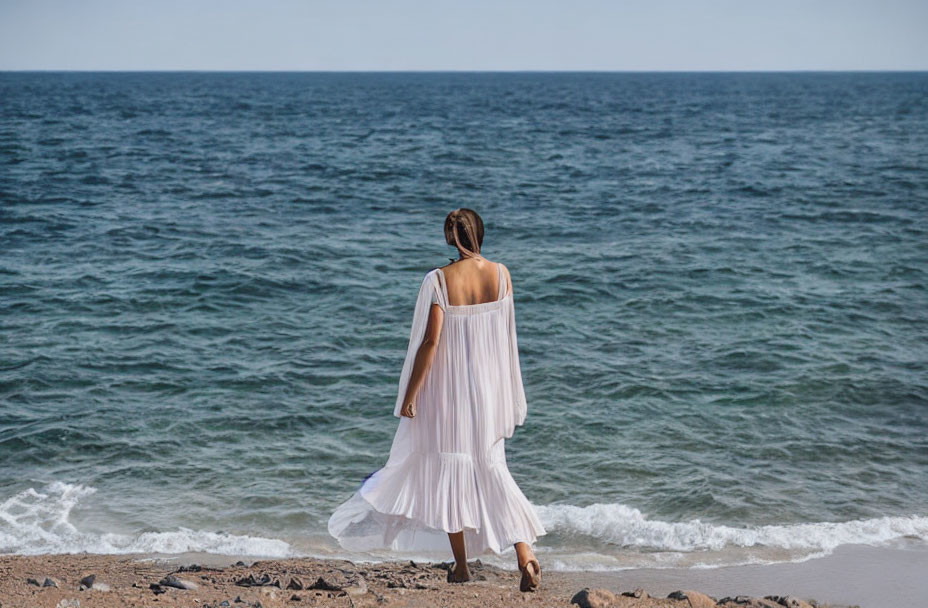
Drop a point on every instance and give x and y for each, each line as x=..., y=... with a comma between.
x=424, y=356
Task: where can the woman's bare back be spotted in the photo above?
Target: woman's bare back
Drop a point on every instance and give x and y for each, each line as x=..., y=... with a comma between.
x=474, y=281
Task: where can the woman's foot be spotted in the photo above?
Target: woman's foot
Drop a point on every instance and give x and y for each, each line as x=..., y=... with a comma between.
x=531, y=575
x=459, y=574
x=529, y=566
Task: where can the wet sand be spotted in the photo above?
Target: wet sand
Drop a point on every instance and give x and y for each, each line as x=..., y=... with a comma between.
x=869, y=577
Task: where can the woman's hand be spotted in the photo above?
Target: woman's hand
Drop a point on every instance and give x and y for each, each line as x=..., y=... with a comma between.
x=408, y=409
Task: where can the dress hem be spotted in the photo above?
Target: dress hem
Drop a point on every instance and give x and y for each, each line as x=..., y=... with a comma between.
x=474, y=530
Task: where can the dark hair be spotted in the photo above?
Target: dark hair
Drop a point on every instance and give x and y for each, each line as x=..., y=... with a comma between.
x=464, y=230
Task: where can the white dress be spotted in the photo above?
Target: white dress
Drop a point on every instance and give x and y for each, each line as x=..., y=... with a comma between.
x=447, y=468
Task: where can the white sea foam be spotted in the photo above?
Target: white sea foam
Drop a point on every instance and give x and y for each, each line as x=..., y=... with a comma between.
x=627, y=527
x=38, y=522
x=33, y=522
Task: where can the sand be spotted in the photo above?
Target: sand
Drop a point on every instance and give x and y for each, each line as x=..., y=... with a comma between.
x=869, y=577
x=218, y=582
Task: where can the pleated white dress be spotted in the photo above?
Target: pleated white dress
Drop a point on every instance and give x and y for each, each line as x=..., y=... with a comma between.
x=447, y=468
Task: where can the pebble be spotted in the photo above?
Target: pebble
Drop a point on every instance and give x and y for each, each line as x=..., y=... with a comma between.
x=694, y=598
x=178, y=583
x=593, y=598
x=637, y=593
x=324, y=585
x=789, y=601
x=750, y=602
x=87, y=581
x=251, y=581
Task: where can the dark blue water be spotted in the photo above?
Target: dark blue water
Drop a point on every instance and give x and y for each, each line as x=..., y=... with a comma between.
x=207, y=281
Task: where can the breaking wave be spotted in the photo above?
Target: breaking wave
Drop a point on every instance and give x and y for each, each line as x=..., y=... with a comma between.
x=33, y=522
x=628, y=527
x=39, y=522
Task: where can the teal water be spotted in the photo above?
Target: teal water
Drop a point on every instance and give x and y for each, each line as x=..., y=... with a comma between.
x=207, y=281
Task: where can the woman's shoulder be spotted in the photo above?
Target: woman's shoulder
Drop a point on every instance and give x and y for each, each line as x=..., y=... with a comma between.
x=457, y=262
x=506, y=277
x=431, y=277
x=445, y=268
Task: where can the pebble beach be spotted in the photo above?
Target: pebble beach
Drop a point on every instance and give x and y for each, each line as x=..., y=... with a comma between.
x=88, y=581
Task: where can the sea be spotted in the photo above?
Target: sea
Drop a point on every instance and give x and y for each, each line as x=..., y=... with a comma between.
x=721, y=289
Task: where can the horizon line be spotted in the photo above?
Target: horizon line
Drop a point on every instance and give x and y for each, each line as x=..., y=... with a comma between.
x=468, y=71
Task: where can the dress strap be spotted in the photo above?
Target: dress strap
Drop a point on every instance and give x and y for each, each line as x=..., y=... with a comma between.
x=444, y=286
x=502, y=281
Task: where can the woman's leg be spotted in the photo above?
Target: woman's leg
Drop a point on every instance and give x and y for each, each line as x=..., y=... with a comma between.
x=460, y=573
x=523, y=553
x=531, y=576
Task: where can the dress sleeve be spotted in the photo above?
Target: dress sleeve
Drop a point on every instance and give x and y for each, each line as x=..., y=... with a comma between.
x=428, y=293
x=518, y=390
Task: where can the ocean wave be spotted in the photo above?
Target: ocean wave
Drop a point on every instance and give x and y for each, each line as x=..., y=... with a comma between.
x=35, y=523
x=628, y=527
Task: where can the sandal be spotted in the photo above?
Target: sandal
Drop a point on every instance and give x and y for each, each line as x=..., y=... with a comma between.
x=530, y=579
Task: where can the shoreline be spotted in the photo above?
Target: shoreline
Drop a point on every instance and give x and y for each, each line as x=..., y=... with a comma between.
x=869, y=577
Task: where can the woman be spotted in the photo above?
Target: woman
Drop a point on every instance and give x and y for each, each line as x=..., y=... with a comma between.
x=460, y=396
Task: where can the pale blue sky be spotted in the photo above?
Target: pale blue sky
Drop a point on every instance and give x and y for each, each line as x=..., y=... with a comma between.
x=464, y=35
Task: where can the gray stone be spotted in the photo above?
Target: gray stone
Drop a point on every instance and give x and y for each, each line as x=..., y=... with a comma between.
x=178, y=583
x=789, y=601
x=694, y=599
x=637, y=593
x=251, y=581
x=87, y=581
x=50, y=582
x=749, y=602
x=69, y=604
x=324, y=585
x=100, y=587
x=593, y=598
